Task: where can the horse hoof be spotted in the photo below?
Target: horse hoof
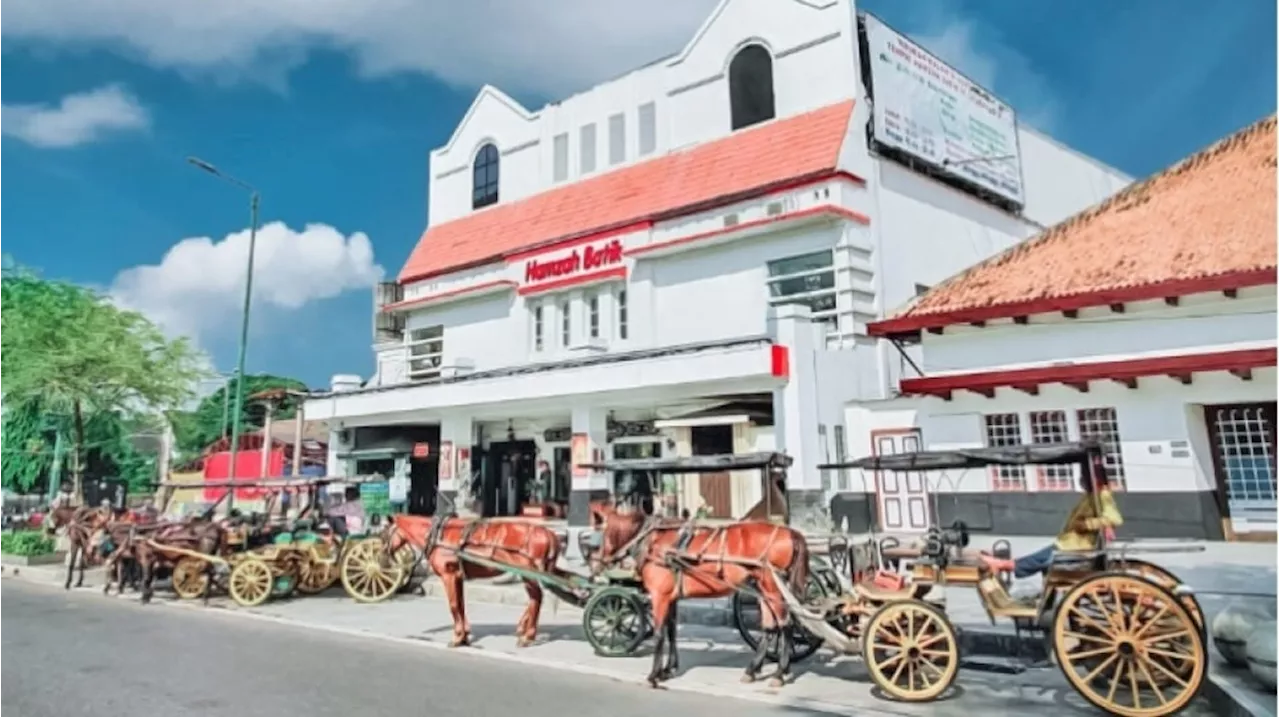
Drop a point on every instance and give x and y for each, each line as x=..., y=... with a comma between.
x=653, y=682
x=748, y=679
x=775, y=683
x=524, y=641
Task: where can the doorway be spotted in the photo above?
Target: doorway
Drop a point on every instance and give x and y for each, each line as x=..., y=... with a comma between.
x=424, y=479
x=903, y=497
x=509, y=471
x=1243, y=440
x=716, y=488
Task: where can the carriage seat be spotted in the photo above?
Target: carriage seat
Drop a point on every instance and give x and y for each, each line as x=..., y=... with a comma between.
x=882, y=593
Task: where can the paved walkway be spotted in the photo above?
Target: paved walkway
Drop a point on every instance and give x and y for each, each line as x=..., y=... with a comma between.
x=712, y=658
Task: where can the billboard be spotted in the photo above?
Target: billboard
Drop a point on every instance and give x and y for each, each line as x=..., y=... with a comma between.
x=928, y=110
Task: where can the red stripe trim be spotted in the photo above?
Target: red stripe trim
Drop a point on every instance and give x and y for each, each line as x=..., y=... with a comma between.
x=447, y=295
x=594, y=233
x=753, y=224
x=618, y=272
x=986, y=381
x=913, y=324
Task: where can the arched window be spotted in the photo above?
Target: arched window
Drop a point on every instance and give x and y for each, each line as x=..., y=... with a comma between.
x=484, y=180
x=751, y=87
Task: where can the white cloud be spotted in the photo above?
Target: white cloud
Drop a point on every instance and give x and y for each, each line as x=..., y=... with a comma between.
x=77, y=119
x=197, y=289
x=516, y=44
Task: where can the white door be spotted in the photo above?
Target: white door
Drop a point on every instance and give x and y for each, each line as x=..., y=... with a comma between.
x=903, y=497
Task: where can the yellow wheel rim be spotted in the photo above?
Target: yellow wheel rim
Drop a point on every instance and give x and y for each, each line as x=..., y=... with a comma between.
x=251, y=582
x=368, y=575
x=911, y=651
x=189, y=578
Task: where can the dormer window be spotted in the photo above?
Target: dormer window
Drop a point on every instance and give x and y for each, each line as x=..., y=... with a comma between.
x=484, y=177
x=751, y=87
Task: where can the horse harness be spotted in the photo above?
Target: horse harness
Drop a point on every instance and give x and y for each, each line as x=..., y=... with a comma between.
x=435, y=538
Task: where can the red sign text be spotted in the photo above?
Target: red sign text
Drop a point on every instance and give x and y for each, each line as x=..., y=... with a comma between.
x=587, y=259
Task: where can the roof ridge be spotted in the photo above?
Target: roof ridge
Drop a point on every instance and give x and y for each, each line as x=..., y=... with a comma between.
x=1135, y=195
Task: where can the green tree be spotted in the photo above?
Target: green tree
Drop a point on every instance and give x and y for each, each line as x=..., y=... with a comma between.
x=74, y=353
x=211, y=419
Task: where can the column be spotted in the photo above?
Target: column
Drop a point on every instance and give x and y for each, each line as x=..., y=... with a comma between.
x=590, y=443
x=335, y=466
x=457, y=435
x=795, y=416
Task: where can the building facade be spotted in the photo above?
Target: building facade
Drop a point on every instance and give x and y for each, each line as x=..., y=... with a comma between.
x=1147, y=323
x=685, y=260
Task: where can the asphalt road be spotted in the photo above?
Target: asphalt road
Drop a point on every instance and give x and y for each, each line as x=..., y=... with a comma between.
x=79, y=654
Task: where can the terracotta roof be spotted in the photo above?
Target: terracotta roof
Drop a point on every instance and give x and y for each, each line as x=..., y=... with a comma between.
x=1208, y=220
x=747, y=162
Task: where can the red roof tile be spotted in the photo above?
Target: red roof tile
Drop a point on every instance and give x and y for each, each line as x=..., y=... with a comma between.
x=747, y=162
x=1207, y=220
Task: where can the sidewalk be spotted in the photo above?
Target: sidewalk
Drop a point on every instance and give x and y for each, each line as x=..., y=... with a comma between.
x=712, y=659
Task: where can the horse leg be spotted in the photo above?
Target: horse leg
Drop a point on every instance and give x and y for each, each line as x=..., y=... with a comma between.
x=785, y=638
x=148, y=575
x=84, y=558
x=531, y=614
x=208, y=582
x=673, y=652
x=452, y=578
x=662, y=602
x=71, y=564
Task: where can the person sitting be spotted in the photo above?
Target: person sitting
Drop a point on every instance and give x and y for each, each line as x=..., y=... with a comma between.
x=1094, y=513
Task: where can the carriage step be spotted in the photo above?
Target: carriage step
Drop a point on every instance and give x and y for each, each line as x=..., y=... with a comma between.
x=995, y=665
x=1002, y=644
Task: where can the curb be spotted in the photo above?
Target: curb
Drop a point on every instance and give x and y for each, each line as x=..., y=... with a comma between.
x=1227, y=699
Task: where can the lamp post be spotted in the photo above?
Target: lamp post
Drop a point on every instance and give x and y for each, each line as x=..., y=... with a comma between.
x=244, y=314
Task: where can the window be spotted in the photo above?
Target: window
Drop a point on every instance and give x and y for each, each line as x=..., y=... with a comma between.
x=560, y=158
x=1243, y=436
x=426, y=349
x=587, y=149
x=484, y=180
x=648, y=121
x=617, y=138
x=1005, y=429
x=1100, y=424
x=809, y=279
x=620, y=301
x=1051, y=427
x=566, y=325
x=593, y=315
x=751, y=87
x=538, y=328
x=842, y=455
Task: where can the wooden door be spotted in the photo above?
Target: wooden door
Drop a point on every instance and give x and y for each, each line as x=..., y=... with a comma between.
x=717, y=494
x=903, y=497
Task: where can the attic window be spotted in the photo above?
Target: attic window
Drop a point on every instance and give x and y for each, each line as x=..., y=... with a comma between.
x=484, y=180
x=751, y=87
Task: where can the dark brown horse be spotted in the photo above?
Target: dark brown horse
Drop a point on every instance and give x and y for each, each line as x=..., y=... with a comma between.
x=157, y=545
x=676, y=560
x=521, y=544
x=81, y=523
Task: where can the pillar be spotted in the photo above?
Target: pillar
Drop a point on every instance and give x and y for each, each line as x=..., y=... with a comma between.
x=590, y=443
x=457, y=434
x=795, y=416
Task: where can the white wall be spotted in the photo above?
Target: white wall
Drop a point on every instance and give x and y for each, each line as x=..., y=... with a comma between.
x=484, y=330
x=1060, y=182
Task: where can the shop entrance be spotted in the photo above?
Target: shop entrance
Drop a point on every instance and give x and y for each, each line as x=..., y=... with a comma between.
x=508, y=474
x=716, y=488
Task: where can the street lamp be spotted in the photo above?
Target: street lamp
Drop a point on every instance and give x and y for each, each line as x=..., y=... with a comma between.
x=244, y=315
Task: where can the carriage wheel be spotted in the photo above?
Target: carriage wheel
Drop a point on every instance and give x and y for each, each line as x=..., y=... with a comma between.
x=1129, y=646
x=911, y=650
x=368, y=574
x=406, y=557
x=189, y=578
x=317, y=575
x=615, y=620
x=1168, y=581
x=746, y=617
x=251, y=582
x=287, y=578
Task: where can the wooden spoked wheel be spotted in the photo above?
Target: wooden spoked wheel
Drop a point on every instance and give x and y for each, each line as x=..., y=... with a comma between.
x=251, y=582
x=1129, y=646
x=369, y=574
x=616, y=621
x=1167, y=580
x=911, y=650
x=189, y=578
x=317, y=574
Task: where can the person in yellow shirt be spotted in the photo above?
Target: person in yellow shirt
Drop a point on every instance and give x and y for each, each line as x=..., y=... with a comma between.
x=1092, y=515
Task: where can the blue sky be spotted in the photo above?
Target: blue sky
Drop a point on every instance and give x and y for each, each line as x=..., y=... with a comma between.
x=330, y=109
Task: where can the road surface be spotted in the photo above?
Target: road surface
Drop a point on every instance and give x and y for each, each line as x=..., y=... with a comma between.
x=79, y=654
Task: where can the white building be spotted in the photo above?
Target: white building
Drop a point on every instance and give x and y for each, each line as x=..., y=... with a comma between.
x=685, y=259
x=1148, y=322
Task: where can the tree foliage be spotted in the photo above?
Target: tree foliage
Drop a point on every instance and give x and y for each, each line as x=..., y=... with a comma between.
x=73, y=353
x=195, y=430
x=30, y=433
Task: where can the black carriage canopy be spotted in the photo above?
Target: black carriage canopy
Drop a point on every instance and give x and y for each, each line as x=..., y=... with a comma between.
x=1040, y=454
x=695, y=464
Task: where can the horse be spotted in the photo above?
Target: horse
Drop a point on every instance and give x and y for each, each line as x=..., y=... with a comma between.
x=160, y=544
x=680, y=559
x=520, y=544
x=81, y=522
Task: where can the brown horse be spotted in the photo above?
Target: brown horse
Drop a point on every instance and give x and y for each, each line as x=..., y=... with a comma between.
x=521, y=544
x=81, y=522
x=164, y=544
x=676, y=560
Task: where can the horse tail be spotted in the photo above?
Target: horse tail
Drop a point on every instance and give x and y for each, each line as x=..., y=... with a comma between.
x=798, y=573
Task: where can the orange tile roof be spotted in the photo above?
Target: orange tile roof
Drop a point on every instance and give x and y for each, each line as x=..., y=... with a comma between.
x=1207, y=220
x=747, y=162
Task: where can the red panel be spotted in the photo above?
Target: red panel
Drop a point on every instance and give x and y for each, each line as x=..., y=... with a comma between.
x=779, y=361
x=248, y=467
